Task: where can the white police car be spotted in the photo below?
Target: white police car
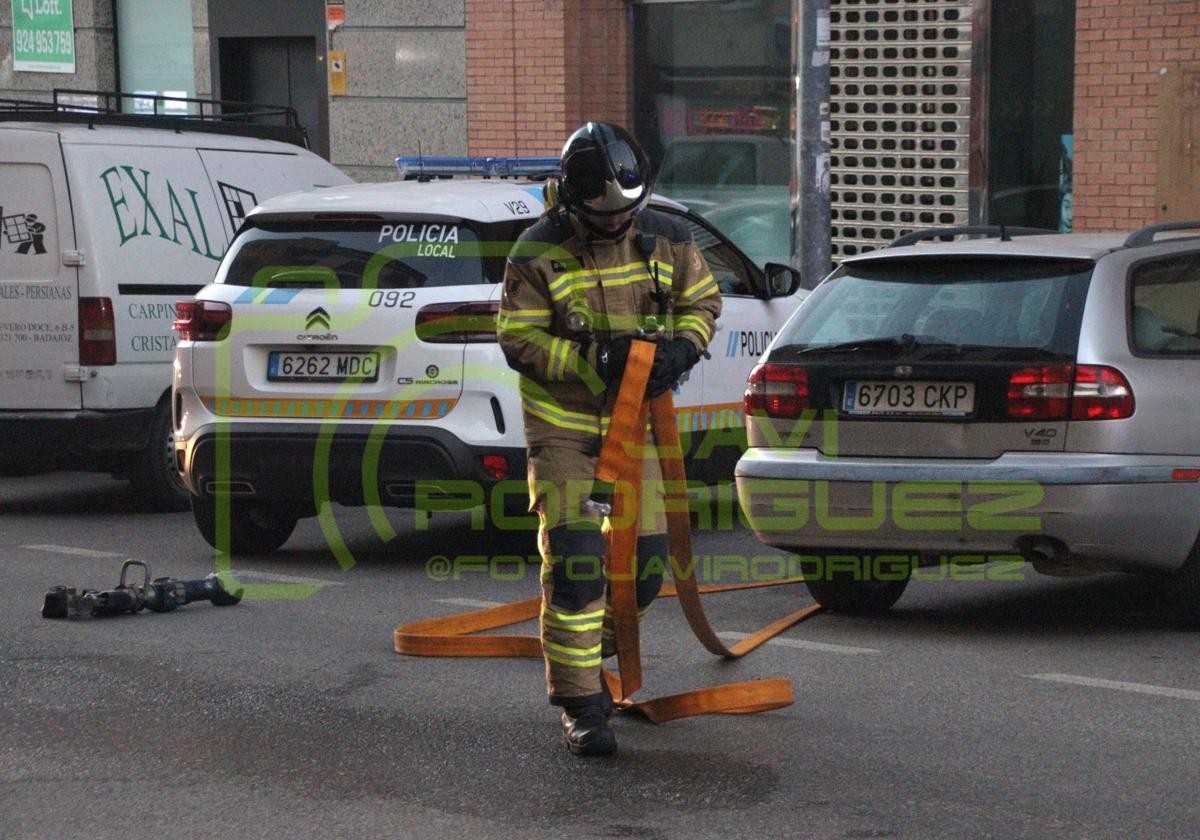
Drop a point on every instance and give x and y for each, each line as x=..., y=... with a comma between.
x=347, y=352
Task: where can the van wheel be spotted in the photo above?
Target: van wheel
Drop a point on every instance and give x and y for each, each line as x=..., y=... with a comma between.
x=254, y=527
x=845, y=591
x=156, y=482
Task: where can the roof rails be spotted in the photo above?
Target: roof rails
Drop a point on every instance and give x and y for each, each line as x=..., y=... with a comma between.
x=178, y=113
x=1145, y=235
x=421, y=168
x=1003, y=231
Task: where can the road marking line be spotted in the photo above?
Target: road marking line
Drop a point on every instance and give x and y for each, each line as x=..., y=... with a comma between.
x=241, y=573
x=469, y=602
x=80, y=552
x=1116, y=685
x=804, y=644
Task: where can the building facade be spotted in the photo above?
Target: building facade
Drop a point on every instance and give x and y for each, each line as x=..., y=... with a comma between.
x=1053, y=113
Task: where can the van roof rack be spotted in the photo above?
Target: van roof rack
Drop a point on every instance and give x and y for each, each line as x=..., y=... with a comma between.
x=178, y=113
x=1005, y=232
x=424, y=168
x=1145, y=235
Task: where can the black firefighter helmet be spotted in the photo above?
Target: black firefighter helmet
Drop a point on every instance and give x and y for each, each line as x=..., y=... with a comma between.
x=604, y=173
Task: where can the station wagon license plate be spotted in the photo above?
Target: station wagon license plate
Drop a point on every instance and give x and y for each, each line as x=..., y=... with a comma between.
x=322, y=367
x=937, y=399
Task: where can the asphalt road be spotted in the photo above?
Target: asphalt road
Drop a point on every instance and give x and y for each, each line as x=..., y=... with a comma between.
x=1030, y=708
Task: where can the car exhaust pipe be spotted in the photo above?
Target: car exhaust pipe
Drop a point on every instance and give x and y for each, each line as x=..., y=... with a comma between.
x=1050, y=556
x=1040, y=550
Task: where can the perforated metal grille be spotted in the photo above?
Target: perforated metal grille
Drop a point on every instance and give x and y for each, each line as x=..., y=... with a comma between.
x=900, y=102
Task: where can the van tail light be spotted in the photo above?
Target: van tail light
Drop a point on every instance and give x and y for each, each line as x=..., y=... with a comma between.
x=1059, y=392
x=1101, y=393
x=97, y=332
x=457, y=323
x=202, y=320
x=776, y=391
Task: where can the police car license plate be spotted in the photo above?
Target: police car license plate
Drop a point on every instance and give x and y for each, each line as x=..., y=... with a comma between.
x=322, y=367
x=938, y=399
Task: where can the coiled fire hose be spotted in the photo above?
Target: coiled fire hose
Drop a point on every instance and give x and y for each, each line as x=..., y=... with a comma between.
x=620, y=465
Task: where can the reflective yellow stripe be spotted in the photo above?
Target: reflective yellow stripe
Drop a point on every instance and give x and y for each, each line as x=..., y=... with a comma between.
x=623, y=322
x=519, y=317
x=703, y=288
x=574, y=628
x=620, y=275
x=575, y=657
x=694, y=322
x=575, y=616
x=539, y=403
x=573, y=663
x=542, y=412
x=557, y=363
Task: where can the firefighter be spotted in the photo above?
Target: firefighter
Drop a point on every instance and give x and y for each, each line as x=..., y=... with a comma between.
x=594, y=272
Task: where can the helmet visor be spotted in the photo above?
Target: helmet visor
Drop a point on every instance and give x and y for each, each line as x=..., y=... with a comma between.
x=606, y=184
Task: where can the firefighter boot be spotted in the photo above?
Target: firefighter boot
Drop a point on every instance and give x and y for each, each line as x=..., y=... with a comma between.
x=585, y=728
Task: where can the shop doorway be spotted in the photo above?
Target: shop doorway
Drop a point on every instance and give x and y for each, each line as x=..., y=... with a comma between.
x=713, y=106
x=273, y=71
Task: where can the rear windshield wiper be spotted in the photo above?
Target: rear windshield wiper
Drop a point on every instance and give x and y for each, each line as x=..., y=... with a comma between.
x=904, y=342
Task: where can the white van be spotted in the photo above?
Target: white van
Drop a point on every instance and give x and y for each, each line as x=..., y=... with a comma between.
x=106, y=220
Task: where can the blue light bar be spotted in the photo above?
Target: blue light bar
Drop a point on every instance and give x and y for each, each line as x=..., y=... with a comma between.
x=488, y=167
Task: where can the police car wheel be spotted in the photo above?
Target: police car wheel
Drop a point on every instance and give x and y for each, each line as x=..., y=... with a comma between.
x=254, y=527
x=517, y=525
x=156, y=481
x=852, y=592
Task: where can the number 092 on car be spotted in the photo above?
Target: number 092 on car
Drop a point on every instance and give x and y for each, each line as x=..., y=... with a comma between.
x=283, y=366
x=950, y=399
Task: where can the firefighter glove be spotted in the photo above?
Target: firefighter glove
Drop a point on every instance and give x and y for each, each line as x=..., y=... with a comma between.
x=673, y=359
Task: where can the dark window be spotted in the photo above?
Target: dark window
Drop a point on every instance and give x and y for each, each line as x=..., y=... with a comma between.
x=378, y=254
x=1029, y=305
x=1165, y=307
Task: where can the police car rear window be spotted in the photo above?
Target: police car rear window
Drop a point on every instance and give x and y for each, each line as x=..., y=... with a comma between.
x=375, y=255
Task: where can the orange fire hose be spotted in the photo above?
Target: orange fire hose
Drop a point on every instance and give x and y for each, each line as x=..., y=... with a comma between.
x=620, y=464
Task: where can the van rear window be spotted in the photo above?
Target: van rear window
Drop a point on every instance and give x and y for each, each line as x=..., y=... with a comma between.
x=377, y=255
x=1018, y=304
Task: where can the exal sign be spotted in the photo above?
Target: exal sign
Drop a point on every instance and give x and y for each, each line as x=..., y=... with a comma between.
x=43, y=36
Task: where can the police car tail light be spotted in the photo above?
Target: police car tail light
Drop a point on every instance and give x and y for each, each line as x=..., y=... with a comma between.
x=1040, y=393
x=496, y=466
x=202, y=320
x=776, y=391
x=1101, y=393
x=97, y=332
x=457, y=323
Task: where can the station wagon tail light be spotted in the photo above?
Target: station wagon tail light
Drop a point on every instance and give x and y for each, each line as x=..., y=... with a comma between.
x=1041, y=393
x=458, y=323
x=1059, y=392
x=97, y=332
x=776, y=391
x=202, y=320
x=1101, y=393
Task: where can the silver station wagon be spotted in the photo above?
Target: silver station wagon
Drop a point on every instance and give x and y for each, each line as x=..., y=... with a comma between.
x=1015, y=397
